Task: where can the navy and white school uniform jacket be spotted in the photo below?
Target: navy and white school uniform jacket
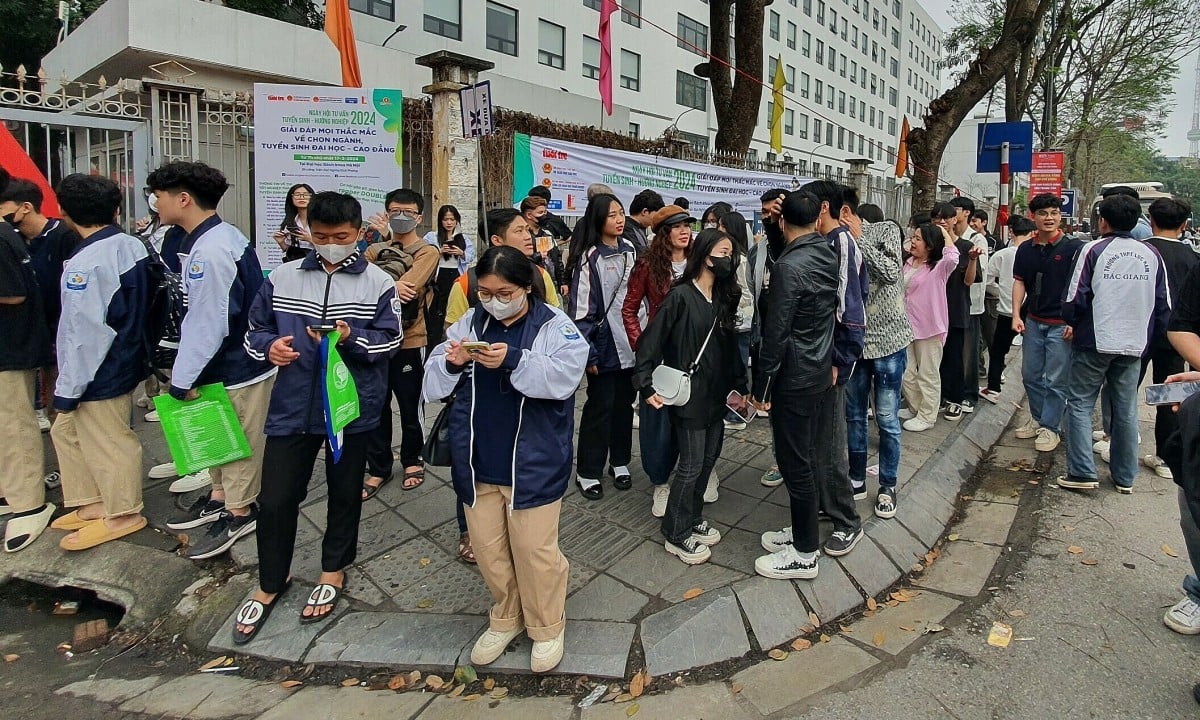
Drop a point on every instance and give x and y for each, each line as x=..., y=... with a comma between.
x=221, y=277
x=513, y=425
x=1118, y=300
x=600, y=282
x=106, y=290
x=300, y=294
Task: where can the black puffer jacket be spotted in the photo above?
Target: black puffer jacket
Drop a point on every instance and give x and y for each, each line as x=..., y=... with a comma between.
x=796, y=355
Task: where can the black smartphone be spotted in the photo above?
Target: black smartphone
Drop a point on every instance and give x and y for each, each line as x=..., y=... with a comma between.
x=322, y=329
x=1170, y=393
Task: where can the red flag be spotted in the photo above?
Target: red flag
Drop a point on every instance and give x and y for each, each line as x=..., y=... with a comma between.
x=340, y=30
x=607, y=8
x=17, y=162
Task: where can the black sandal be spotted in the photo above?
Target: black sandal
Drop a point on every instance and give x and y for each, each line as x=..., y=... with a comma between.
x=418, y=475
x=254, y=614
x=370, y=491
x=322, y=595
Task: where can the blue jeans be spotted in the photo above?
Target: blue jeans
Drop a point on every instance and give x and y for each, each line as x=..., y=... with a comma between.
x=887, y=375
x=1045, y=361
x=1089, y=370
x=660, y=450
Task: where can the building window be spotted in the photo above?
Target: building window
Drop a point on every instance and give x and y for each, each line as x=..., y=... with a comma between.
x=854, y=37
x=791, y=36
x=635, y=130
x=841, y=102
x=820, y=51
x=893, y=98
x=591, y=58
x=631, y=70
x=444, y=17
x=895, y=38
x=773, y=27
x=819, y=95
x=691, y=91
x=551, y=39
x=804, y=85
x=844, y=26
x=501, y=28
x=693, y=35
x=895, y=68
x=808, y=7
x=829, y=130
x=631, y=11
x=789, y=74
x=385, y=9
x=833, y=21
x=841, y=138
x=803, y=127
x=593, y=4
x=817, y=129
x=820, y=12
x=806, y=44
x=789, y=122
x=853, y=108
x=698, y=142
x=896, y=9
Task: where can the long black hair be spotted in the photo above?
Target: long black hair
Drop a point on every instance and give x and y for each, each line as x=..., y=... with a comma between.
x=935, y=242
x=589, y=231
x=510, y=265
x=290, y=211
x=443, y=239
x=726, y=291
x=735, y=226
x=716, y=211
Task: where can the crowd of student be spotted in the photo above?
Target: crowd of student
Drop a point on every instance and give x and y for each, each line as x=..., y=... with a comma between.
x=829, y=317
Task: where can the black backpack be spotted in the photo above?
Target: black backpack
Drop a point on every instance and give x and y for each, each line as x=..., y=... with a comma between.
x=164, y=315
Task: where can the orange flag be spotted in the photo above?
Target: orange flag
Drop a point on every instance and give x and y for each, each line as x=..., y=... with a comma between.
x=902, y=151
x=341, y=31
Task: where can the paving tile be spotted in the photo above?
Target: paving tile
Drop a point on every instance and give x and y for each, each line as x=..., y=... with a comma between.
x=592, y=648
x=738, y=550
x=831, y=594
x=889, y=623
x=400, y=567
x=378, y=534
x=748, y=481
x=630, y=510
x=773, y=686
x=774, y=609
x=869, y=567
x=283, y=637
x=397, y=639
x=986, y=522
x=926, y=527
x=649, y=568
x=326, y=703
x=712, y=701
x=766, y=516
x=454, y=588
x=443, y=708
x=705, y=577
x=605, y=599
x=700, y=632
x=429, y=510
x=111, y=690
x=895, y=541
x=191, y=697
x=730, y=507
x=593, y=540
x=963, y=568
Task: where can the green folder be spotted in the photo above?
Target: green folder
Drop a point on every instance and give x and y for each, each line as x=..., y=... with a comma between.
x=204, y=432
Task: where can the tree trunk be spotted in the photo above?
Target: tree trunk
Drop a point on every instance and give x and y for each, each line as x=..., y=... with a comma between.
x=736, y=102
x=927, y=145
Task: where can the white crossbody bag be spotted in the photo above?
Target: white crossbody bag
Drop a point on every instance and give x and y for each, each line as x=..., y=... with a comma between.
x=675, y=386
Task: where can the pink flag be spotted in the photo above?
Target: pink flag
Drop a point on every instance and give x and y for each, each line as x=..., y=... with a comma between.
x=607, y=8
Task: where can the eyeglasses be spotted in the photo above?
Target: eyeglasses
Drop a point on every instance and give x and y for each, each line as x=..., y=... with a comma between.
x=1048, y=213
x=503, y=296
x=300, y=195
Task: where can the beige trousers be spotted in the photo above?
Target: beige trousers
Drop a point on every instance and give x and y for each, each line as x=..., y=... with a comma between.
x=922, y=378
x=99, y=457
x=242, y=479
x=21, y=462
x=520, y=561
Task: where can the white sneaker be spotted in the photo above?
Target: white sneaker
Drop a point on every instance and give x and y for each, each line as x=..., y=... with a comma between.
x=152, y=416
x=906, y=414
x=1184, y=618
x=734, y=425
x=190, y=483
x=491, y=645
x=1159, y=467
x=1101, y=448
x=161, y=472
x=787, y=564
x=1027, y=431
x=547, y=654
x=659, y=506
x=706, y=534
x=917, y=425
x=20, y=532
x=1098, y=435
x=690, y=551
x=43, y=420
x=775, y=540
x=711, y=493
x=1046, y=440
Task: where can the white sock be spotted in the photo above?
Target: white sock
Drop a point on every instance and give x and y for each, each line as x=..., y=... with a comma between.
x=587, y=483
x=808, y=557
x=621, y=470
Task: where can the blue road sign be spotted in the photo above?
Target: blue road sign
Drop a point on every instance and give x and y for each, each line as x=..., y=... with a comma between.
x=1018, y=135
x=1068, y=203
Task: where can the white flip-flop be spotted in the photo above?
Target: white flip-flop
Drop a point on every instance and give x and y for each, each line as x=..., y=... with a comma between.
x=20, y=532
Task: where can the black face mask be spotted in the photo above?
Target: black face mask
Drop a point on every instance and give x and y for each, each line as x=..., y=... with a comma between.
x=11, y=219
x=722, y=267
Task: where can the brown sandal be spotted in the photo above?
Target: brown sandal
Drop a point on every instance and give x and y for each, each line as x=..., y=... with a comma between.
x=465, y=553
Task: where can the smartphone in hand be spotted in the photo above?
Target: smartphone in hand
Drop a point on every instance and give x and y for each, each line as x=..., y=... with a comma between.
x=737, y=405
x=1170, y=393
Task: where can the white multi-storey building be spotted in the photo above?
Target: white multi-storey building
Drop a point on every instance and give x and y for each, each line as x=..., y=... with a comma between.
x=854, y=68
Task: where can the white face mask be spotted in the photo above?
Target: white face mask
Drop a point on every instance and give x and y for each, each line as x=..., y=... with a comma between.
x=335, y=254
x=503, y=310
x=152, y=201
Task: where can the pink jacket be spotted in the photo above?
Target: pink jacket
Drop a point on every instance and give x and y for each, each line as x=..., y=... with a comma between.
x=925, y=294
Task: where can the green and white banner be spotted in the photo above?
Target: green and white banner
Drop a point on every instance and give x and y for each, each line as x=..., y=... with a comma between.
x=567, y=168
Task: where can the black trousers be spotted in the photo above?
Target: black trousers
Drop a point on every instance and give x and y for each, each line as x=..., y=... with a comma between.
x=795, y=420
x=405, y=372
x=833, y=473
x=952, y=365
x=1166, y=362
x=971, y=358
x=435, y=314
x=1001, y=344
x=698, y=453
x=606, y=427
x=287, y=468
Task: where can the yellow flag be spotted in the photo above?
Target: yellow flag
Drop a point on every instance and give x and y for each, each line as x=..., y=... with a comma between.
x=776, y=125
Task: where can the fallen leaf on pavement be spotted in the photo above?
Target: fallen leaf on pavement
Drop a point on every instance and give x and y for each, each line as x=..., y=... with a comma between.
x=1169, y=550
x=611, y=696
x=489, y=684
x=434, y=681
x=952, y=537
x=1089, y=561
x=216, y=662
x=1034, y=482
x=869, y=613
x=872, y=603
x=635, y=685
x=778, y=654
x=932, y=629
x=824, y=638
x=414, y=677
x=814, y=620
x=907, y=628
x=349, y=682
x=1016, y=613
x=737, y=688
x=623, y=698
x=899, y=597
x=465, y=674
x=1075, y=550
x=11, y=658
x=1000, y=635
x=457, y=691
x=397, y=682
x=424, y=562
x=289, y=684
x=892, y=603
x=425, y=604
x=632, y=710
x=693, y=593
x=879, y=639
x=472, y=697
x=498, y=693
x=845, y=629
x=1068, y=528
x=801, y=644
